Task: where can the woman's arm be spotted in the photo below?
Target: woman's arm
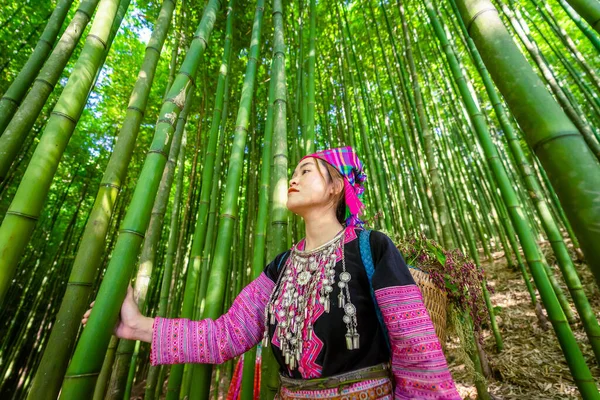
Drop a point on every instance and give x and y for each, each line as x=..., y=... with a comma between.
x=176, y=341
x=418, y=362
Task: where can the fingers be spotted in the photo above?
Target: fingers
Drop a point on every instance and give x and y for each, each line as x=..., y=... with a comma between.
x=131, y=294
x=86, y=316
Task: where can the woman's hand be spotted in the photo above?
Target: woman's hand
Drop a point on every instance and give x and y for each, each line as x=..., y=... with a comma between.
x=131, y=324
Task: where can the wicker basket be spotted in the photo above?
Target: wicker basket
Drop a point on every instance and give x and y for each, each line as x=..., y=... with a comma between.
x=435, y=301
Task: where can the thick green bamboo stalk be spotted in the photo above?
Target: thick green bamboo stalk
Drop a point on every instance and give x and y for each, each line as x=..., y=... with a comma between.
x=589, y=10
x=570, y=108
x=93, y=242
x=547, y=129
x=148, y=256
x=31, y=194
x=565, y=263
x=81, y=374
x=277, y=105
x=16, y=132
x=278, y=191
x=229, y=208
x=571, y=350
x=554, y=198
x=168, y=276
x=11, y=99
x=202, y=225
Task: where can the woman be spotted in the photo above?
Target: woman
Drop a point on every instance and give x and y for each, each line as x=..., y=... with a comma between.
x=316, y=304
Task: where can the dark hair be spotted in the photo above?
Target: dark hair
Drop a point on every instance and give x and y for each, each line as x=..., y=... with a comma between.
x=340, y=203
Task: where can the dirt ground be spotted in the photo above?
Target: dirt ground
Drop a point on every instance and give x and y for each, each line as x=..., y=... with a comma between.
x=531, y=366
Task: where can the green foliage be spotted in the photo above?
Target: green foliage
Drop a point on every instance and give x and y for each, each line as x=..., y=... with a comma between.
x=452, y=272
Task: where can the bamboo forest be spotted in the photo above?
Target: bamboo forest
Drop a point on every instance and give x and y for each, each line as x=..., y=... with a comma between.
x=151, y=143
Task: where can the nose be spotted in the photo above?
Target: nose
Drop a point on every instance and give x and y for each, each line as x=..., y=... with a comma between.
x=293, y=181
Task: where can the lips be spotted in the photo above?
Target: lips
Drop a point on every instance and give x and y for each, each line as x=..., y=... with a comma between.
x=291, y=190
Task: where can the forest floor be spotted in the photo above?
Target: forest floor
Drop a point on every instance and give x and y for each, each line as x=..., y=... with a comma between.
x=532, y=365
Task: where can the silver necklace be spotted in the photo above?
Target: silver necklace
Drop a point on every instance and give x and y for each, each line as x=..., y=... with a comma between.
x=293, y=303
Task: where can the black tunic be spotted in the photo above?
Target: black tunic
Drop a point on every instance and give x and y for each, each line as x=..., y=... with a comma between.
x=334, y=358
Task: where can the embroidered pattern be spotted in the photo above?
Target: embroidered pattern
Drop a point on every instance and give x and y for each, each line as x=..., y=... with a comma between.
x=180, y=340
x=379, y=389
x=418, y=363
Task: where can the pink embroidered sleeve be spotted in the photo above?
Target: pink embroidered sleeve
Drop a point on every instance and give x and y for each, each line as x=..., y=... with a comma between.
x=177, y=341
x=418, y=363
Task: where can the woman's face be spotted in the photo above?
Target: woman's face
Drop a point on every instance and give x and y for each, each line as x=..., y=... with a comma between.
x=308, y=189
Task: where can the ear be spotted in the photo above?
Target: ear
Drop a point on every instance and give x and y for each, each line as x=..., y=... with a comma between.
x=338, y=187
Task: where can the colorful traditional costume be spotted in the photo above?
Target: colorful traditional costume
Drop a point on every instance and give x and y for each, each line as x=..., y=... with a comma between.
x=317, y=312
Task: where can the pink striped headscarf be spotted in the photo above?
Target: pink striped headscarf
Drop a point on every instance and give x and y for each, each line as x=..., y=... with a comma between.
x=345, y=160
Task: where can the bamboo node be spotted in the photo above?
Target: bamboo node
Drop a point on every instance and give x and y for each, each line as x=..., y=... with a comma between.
x=46, y=82
x=73, y=120
x=158, y=151
x=153, y=48
x=200, y=38
x=81, y=375
x=551, y=138
x=46, y=42
x=79, y=284
x=136, y=109
x=110, y=185
x=9, y=99
x=99, y=39
x=189, y=76
x=84, y=13
x=136, y=233
x=166, y=121
x=19, y=214
x=477, y=16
